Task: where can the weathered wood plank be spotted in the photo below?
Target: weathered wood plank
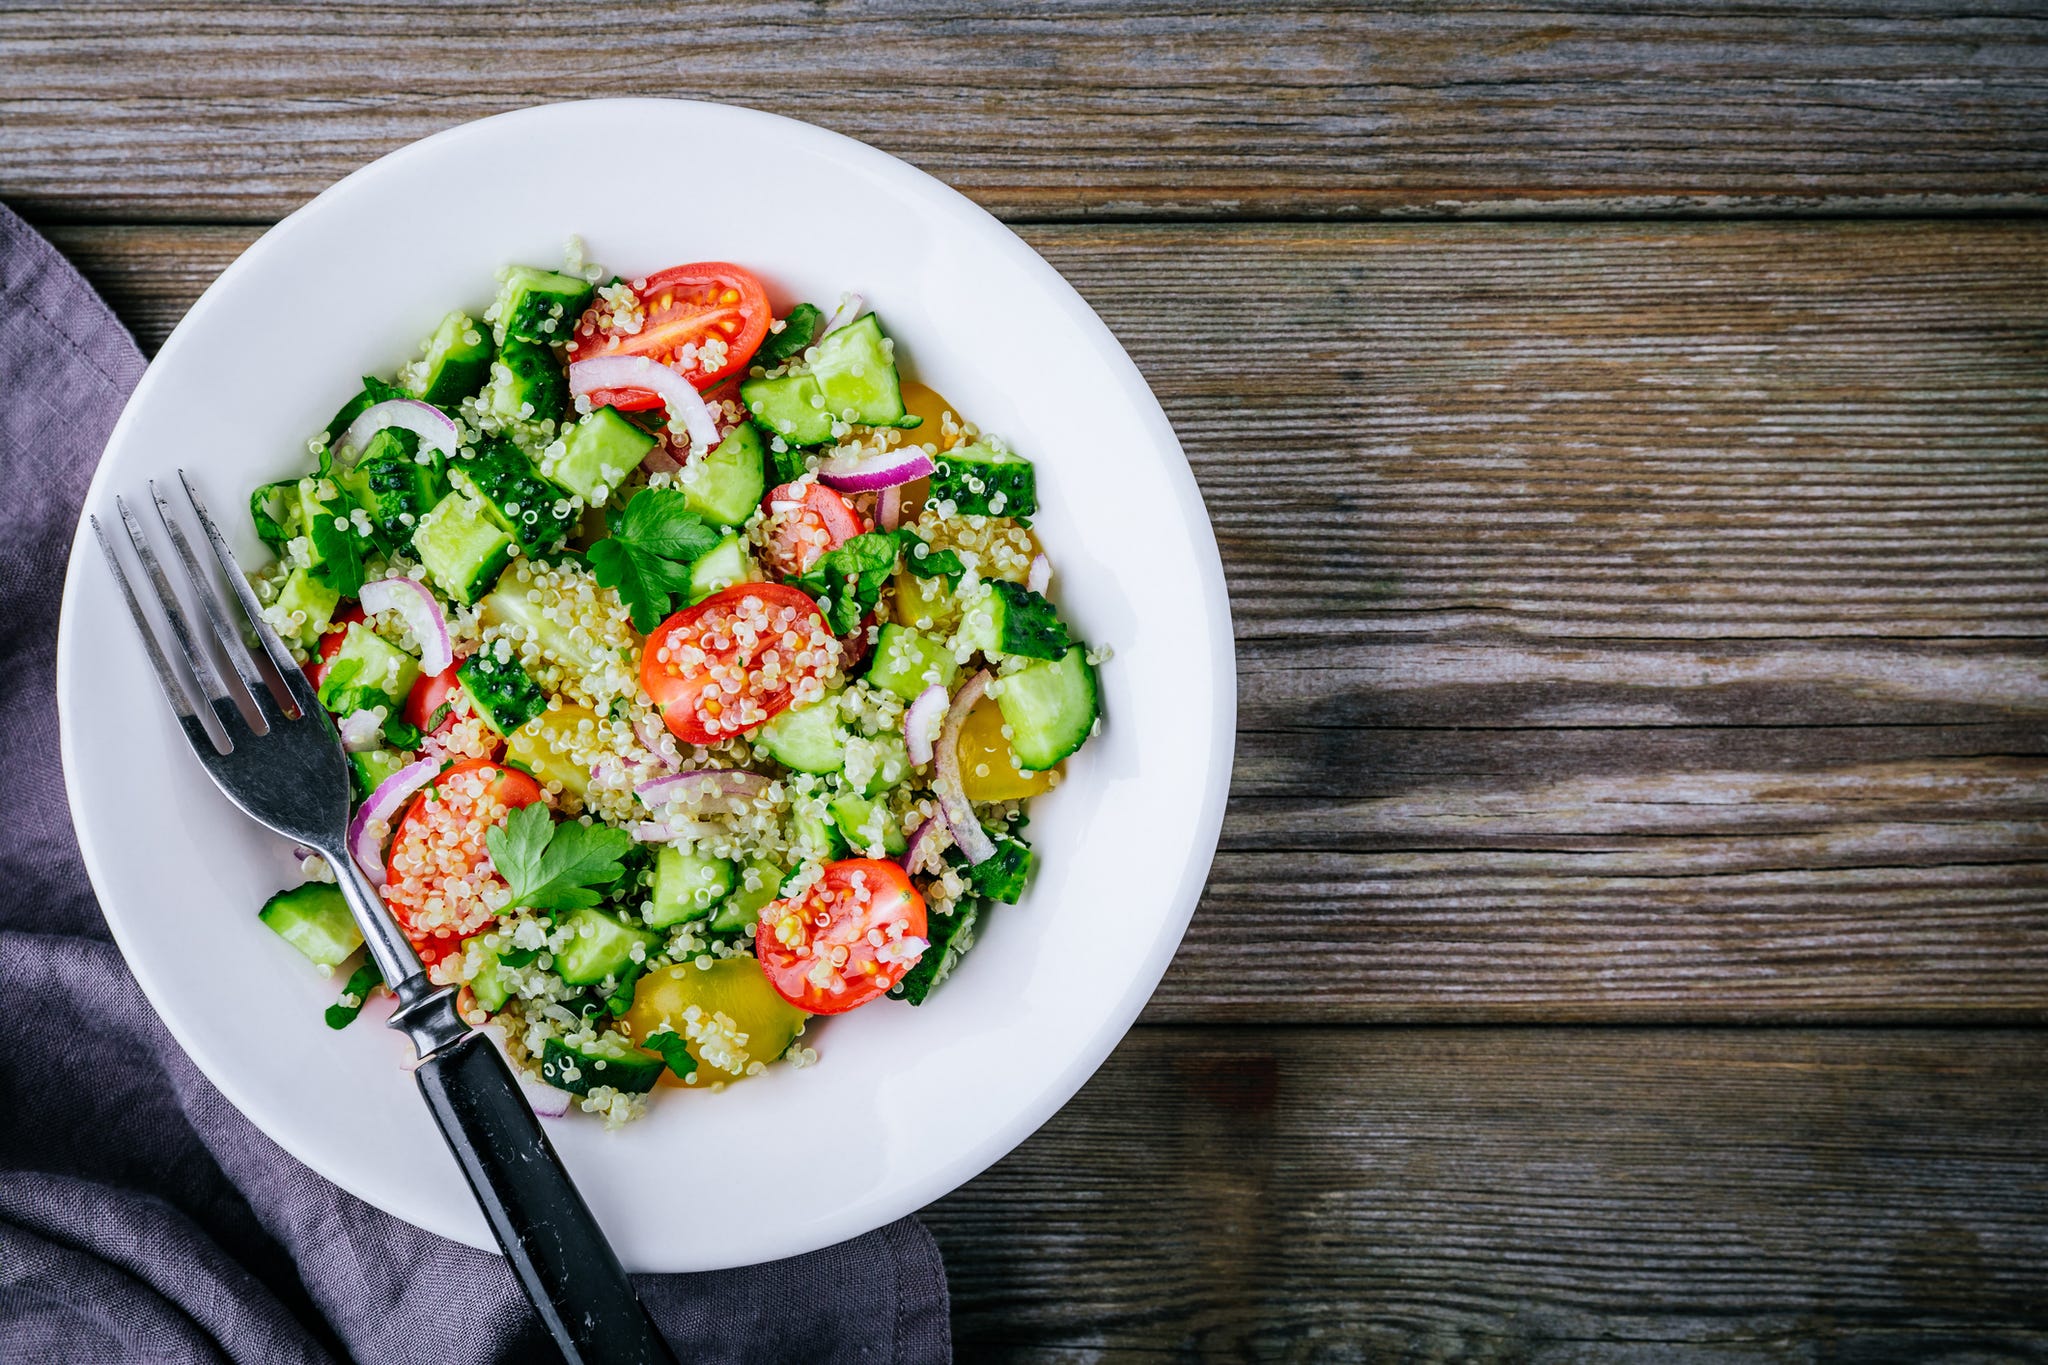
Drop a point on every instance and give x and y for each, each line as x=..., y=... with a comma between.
x=1570, y=794
x=1584, y=1195
x=211, y=111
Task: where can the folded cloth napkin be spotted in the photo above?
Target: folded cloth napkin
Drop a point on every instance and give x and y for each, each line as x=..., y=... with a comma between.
x=141, y=1217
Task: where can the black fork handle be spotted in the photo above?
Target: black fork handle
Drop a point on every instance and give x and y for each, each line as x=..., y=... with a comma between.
x=561, y=1259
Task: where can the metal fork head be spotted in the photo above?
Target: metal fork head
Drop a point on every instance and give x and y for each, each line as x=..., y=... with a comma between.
x=291, y=774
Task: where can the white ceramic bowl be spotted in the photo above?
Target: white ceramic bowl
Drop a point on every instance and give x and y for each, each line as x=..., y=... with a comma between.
x=905, y=1103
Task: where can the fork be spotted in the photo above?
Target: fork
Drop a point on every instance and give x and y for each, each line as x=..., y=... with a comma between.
x=292, y=776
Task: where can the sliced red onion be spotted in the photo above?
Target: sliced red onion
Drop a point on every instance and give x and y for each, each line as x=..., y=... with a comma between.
x=872, y=471
x=927, y=844
x=422, y=615
x=660, y=791
x=435, y=428
x=972, y=839
x=1040, y=575
x=851, y=306
x=361, y=731
x=678, y=394
x=547, y=1101
x=923, y=721
x=889, y=510
x=383, y=807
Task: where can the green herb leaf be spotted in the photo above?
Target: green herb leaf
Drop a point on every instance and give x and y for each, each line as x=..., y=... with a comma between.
x=950, y=936
x=848, y=580
x=654, y=539
x=797, y=330
x=673, y=1050
x=367, y=978
x=401, y=734
x=555, y=867
x=926, y=562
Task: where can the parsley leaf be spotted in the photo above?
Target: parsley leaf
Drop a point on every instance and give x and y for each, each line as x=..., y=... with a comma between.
x=342, y=1013
x=797, y=330
x=551, y=866
x=673, y=1050
x=654, y=538
x=847, y=581
x=926, y=562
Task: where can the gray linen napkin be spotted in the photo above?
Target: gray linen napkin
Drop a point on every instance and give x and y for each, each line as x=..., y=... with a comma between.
x=142, y=1218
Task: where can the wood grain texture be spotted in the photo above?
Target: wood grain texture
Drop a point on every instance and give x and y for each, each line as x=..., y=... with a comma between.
x=1561, y=702
x=221, y=111
x=1546, y=1195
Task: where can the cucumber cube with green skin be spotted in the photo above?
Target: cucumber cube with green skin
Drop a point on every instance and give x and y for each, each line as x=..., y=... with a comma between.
x=391, y=485
x=891, y=764
x=597, y=455
x=950, y=936
x=857, y=376
x=983, y=482
x=489, y=986
x=462, y=547
x=607, y=1061
x=864, y=824
x=758, y=883
x=367, y=671
x=539, y=305
x=315, y=920
x=501, y=691
x=456, y=363
x=1005, y=619
x=373, y=767
x=334, y=546
x=818, y=836
x=526, y=384
x=501, y=477
x=908, y=661
x=600, y=945
x=810, y=739
x=687, y=886
x=514, y=603
x=792, y=406
x=301, y=592
x=723, y=565
x=1050, y=708
x=725, y=486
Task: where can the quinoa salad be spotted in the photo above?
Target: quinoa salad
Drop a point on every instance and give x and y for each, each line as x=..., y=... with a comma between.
x=695, y=666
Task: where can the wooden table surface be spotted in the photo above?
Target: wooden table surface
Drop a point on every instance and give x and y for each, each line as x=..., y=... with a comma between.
x=1630, y=934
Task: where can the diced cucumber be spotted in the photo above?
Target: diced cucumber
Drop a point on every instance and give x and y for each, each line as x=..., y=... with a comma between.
x=857, y=375
x=301, y=592
x=725, y=486
x=390, y=484
x=367, y=671
x=501, y=477
x=462, y=547
x=908, y=661
x=1005, y=618
x=980, y=481
x=810, y=739
x=539, y=305
x=597, y=455
x=1050, y=708
x=370, y=769
x=456, y=363
x=490, y=987
x=600, y=945
x=891, y=764
x=500, y=690
x=686, y=886
x=725, y=564
x=608, y=1060
x=526, y=384
x=950, y=937
x=334, y=546
x=314, y=919
x=512, y=603
x=864, y=824
x=743, y=906
x=792, y=406
x=817, y=836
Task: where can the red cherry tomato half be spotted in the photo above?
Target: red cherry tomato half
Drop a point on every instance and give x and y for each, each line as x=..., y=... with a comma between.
x=330, y=643
x=439, y=864
x=434, y=694
x=703, y=320
x=736, y=660
x=799, y=535
x=820, y=949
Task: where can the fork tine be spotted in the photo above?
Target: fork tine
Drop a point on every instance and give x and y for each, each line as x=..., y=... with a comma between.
x=166, y=677
x=287, y=667
x=216, y=613
x=196, y=659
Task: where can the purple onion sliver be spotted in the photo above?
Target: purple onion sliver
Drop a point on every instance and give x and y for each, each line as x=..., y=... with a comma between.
x=393, y=792
x=972, y=839
x=1041, y=574
x=923, y=722
x=876, y=470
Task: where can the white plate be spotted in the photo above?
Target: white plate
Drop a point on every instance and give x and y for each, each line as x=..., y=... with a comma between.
x=905, y=1104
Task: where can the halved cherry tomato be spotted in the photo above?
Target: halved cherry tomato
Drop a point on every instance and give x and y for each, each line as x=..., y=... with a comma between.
x=800, y=535
x=736, y=660
x=432, y=693
x=704, y=321
x=439, y=866
x=330, y=643
x=820, y=950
